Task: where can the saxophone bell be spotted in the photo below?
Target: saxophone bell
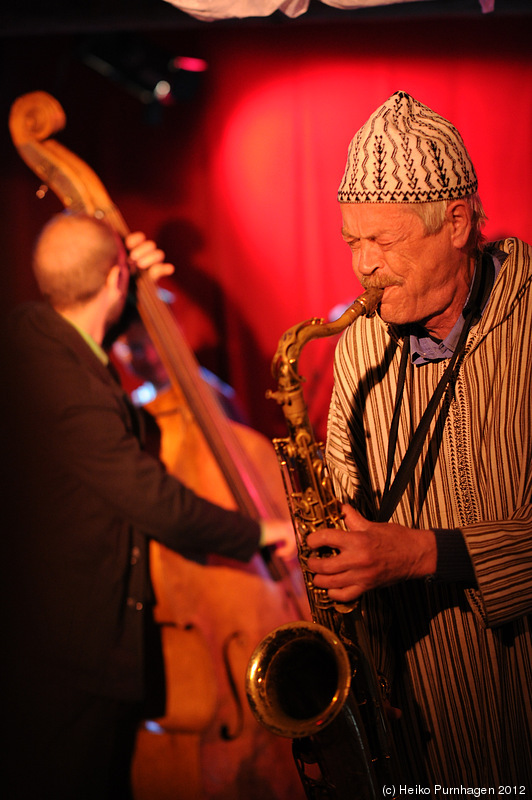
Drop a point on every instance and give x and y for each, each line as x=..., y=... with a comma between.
x=298, y=679
x=317, y=683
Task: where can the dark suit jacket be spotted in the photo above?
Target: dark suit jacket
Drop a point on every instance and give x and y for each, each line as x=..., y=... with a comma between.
x=84, y=500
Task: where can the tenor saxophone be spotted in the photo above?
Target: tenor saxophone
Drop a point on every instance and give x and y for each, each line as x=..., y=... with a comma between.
x=316, y=682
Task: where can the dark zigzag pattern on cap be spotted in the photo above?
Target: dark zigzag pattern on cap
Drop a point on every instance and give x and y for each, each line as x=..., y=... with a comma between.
x=446, y=138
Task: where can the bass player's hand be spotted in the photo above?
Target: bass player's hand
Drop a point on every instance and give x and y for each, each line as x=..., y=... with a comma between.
x=279, y=533
x=145, y=255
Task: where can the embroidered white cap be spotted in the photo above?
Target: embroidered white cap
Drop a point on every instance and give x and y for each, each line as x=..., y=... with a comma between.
x=406, y=153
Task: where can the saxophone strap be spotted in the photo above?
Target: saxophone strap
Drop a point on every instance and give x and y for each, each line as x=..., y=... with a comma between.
x=482, y=284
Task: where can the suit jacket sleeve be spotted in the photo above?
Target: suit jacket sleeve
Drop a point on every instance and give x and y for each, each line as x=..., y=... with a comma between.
x=79, y=424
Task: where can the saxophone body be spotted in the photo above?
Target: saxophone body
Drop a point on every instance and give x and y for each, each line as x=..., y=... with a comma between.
x=315, y=682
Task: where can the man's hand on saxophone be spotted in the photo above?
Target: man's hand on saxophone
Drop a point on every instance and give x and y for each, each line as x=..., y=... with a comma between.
x=370, y=555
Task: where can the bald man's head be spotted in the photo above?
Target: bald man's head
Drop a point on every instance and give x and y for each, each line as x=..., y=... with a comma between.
x=73, y=257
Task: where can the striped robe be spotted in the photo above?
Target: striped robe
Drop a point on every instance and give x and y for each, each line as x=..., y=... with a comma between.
x=459, y=659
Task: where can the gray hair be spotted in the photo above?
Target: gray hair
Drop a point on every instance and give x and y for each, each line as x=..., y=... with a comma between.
x=432, y=214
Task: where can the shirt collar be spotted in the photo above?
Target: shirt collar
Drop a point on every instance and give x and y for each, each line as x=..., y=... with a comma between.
x=98, y=351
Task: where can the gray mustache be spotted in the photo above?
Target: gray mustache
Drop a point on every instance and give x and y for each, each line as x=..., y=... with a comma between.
x=379, y=283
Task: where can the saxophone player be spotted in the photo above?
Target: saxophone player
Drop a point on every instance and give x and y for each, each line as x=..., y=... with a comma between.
x=429, y=447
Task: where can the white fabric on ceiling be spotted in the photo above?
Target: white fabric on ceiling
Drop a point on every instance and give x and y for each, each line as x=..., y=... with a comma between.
x=210, y=10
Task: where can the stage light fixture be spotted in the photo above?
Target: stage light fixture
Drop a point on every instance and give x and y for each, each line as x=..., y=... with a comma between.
x=142, y=68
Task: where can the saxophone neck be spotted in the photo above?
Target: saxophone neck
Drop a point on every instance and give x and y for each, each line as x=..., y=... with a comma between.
x=285, y=364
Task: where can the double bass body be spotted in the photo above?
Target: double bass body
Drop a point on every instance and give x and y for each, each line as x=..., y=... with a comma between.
x=211, y=616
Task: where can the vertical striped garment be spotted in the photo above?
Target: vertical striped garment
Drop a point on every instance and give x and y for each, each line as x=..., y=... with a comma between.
x=459, y=659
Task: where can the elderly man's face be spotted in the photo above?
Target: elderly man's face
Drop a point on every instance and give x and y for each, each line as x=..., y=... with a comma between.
x=425, y=278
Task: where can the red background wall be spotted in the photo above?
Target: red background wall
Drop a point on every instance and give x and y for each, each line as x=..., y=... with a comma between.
x=238, y=184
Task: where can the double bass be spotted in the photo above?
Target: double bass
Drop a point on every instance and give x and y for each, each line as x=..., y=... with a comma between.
x=207, y=745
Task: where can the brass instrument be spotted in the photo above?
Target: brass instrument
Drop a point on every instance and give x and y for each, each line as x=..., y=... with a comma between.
x=315, y=682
